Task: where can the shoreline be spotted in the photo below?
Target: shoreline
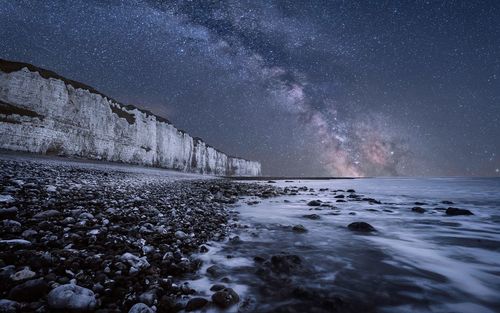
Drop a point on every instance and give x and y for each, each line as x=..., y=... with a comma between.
x=122, y=237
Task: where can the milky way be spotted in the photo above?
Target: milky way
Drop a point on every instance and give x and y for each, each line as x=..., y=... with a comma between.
x=348, y=88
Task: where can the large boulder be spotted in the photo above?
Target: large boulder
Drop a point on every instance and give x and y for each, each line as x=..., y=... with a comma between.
x=456, y=211
x=225, y=298
x=361, y=227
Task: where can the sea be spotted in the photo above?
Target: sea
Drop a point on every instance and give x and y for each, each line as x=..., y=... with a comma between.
x=412, y=262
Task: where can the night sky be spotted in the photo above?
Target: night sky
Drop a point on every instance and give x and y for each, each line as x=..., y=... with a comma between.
x=306, y=87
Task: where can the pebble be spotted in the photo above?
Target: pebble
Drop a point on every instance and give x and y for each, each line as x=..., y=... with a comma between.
x=180, y=234
x=8, y=213
x=14, y=242
x=136, y=263
x=140, y=308
x=30, y=290
x=47, y=214
x=23, y=274
x=9, y=306
x=71, y=297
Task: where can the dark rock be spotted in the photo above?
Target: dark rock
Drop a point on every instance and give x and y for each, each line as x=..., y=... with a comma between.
x=285, y=263
x=49, y=214
x=235, y=240
x=299, y=228
x=29, y=291
x=225, y=298
x=217, y=287
x=140, y=308
x=361, y=227
x=418, y=209
x=312, y=216
x=9, y=306
x=456, y=211
x=420, y=203
x=195, y=304
x=8, y=213
x=447, y=202
x=351, y=190
x=215, y=271
x=314, y=203
x=339, y=197
x=203, y=249
x=72, y=298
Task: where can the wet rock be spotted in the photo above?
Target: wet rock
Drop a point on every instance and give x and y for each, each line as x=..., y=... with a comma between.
x=195, y=304
x=312, y=216
x=249, y=304
x=447, y=202
x=299, y=228
x=456, y=211
x=285, y=263
x=420, y=203
x=361, y=227
x=8, y=213
x=418, y=209
x=235, y=240
x=225, y=298
x=217, y=287
x=203, y=249
x=215, y=271
x=30, y=290
x=9, y=306
x=72, y=298
x=140, y=308
x=339, y=197
x=351, y=190
x=314, y=203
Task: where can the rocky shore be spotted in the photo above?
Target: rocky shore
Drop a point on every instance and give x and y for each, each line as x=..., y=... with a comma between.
x=88, y=239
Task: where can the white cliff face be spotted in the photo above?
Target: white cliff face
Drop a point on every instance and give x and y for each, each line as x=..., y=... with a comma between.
x=50, y=116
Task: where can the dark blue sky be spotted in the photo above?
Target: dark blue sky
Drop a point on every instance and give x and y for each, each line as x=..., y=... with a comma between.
x=306, y=87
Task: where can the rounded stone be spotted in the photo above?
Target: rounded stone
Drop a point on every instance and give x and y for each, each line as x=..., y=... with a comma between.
x=72, y=298
x=140, y=308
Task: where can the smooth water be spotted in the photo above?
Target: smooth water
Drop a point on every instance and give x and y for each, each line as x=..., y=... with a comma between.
x=415, y=262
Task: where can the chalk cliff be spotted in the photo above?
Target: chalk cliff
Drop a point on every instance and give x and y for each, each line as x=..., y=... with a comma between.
x=43, y=112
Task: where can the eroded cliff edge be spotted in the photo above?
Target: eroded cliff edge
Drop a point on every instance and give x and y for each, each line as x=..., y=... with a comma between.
x=43, y=112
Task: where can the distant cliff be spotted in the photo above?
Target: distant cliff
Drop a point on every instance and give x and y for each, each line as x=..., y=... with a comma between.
x=43, y=112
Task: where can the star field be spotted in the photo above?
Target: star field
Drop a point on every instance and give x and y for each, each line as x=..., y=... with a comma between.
x=348, y=88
